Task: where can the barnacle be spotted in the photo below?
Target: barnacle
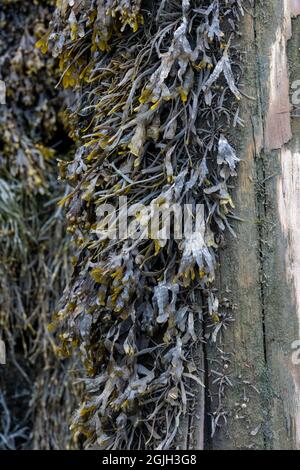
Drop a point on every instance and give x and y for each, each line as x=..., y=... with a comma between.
x=156, y=80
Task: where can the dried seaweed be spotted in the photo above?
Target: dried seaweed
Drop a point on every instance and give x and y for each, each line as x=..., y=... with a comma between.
x=154, y=99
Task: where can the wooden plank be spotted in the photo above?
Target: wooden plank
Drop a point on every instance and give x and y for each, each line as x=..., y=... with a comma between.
x=280, y=235
x=239, y=274
x=263, y=266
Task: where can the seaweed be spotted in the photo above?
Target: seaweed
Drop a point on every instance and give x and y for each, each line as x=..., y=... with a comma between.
x=34, y=253
x=154, y=101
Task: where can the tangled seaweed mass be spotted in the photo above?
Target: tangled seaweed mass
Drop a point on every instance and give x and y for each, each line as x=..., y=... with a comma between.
x=34, y=254
x=152, y=97
x=154, y=100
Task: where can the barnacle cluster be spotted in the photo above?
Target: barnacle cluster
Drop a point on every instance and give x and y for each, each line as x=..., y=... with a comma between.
x=154, y=102
x=34, y=253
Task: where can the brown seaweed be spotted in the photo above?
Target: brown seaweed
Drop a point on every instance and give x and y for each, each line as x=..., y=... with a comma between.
x=154, y=99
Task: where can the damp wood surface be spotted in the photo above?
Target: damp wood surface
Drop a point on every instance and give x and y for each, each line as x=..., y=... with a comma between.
x=260, y=271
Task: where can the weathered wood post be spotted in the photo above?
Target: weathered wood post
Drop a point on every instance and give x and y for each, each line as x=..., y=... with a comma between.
x=263, y=402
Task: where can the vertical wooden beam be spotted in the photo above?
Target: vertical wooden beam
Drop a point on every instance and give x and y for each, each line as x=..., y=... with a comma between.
x=281, y=235
x=262, y=268
x=240, y=282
